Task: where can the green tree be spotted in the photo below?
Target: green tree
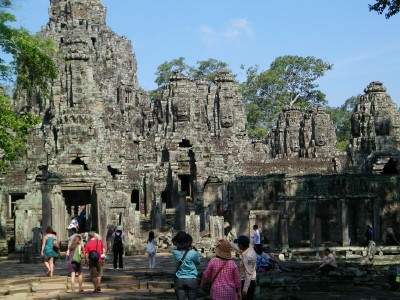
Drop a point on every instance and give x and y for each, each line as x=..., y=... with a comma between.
x=387, y=7
x=204, y=69
x=167, y=69
x=208, y=69
x=32, y=66
x=341, y=117
x=290, y=81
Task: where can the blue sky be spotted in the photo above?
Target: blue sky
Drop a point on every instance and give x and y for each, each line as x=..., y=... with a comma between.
x=362, y=45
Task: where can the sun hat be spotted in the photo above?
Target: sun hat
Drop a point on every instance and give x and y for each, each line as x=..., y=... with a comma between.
x=223, y=249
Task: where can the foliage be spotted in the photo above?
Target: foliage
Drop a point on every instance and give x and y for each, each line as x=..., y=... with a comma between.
x=14, y=128
x=387, y=7
x=167, y=69
x=290, y=81
x=341, y=117
x=204, y=69
x=255, y=129
x=207, y=69
x=32, y=66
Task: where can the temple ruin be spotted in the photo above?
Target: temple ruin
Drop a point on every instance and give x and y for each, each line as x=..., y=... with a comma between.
x=185, y=161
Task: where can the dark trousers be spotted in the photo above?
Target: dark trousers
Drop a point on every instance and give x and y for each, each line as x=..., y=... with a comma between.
x=251, y=291
x=186, y=288
x=118, y=252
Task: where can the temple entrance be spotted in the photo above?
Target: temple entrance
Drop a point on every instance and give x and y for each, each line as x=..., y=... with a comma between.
x=82, y=206
x=10, y=222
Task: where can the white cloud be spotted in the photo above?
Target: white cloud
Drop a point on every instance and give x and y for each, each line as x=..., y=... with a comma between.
x=236, y=31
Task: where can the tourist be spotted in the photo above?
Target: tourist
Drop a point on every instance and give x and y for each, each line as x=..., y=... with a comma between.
x=248, y=263
x=74, y=255
x=50, y=250
x=391, y=239
x=186, y=273
x=94, y=251
x=151, y=249
x=73, y=227
x=222, y=274
x=256, y=235
x=328, y=262
x=118, y=247
x=265, y=261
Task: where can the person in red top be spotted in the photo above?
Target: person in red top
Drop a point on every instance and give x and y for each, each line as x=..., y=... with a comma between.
x=94, y=251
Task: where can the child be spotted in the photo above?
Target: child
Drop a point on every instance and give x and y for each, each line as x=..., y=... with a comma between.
x=75, y=253
x=151, y=248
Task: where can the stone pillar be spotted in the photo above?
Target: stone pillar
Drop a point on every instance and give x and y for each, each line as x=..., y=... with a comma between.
x=345, y=223
x=377, y=220
x=284, y=231
x=311, y=211
x=181, y=212
x=216, y=228
x=192, y=227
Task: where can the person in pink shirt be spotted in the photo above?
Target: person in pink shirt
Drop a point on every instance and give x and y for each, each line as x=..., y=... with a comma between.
x=223, y=274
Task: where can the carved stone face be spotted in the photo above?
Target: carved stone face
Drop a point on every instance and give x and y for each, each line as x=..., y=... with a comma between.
x=76, y=49
x=226, y=111
x=181, y=111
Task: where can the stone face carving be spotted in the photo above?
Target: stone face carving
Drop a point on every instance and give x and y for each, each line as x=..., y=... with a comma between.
x=375, y=129
x=308, y=134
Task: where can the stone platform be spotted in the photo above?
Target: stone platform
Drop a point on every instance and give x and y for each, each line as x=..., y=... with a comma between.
x=352, y=281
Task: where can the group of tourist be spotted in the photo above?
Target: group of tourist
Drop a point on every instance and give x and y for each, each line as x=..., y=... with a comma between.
x=223, y=279
x=92, y=253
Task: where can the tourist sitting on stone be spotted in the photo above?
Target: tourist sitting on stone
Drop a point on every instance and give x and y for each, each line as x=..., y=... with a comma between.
x=222, y=274
x=74, y=259
x=94, y=251
x=118, y=238
x=391, y=239
x=186, y=273
x=50, y=250
x=248, y=263
x=265, y=261
x=151, y=249
x=328, y=262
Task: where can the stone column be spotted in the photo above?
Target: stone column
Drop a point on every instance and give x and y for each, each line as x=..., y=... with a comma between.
x=284, y=231
x=311, y=211
x=377, y=220
x=345, y=223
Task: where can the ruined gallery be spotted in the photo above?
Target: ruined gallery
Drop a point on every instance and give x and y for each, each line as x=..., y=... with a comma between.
x=185, y=161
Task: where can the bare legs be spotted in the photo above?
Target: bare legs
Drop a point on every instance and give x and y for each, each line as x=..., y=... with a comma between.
x=97, y=284
x=50, y=266
x=80, y=280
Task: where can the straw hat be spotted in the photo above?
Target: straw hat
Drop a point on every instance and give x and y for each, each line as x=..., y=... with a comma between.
x=223, y=249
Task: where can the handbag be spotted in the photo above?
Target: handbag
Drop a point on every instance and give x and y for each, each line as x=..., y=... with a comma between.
x=206, y=287
x=94, y=255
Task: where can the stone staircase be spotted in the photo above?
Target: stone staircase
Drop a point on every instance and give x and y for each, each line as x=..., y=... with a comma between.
x=118, y=286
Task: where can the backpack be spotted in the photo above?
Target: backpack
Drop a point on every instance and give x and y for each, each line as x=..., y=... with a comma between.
x=94, y=255
x=150, y=248
x=118, y=239
x=77, y=255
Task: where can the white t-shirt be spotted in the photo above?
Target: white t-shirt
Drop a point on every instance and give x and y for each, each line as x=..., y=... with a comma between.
x=257, y=237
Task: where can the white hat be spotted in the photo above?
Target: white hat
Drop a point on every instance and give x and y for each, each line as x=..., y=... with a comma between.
x=119, y=227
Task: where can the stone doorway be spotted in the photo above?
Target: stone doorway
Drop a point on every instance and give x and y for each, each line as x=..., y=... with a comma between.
x=81, y=204
x=10, y=222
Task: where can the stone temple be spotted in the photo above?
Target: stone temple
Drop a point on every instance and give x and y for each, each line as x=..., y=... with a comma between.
x=184, y=161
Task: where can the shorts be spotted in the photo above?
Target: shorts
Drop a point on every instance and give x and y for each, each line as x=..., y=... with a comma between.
x=76, y=267
x=96, y=270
